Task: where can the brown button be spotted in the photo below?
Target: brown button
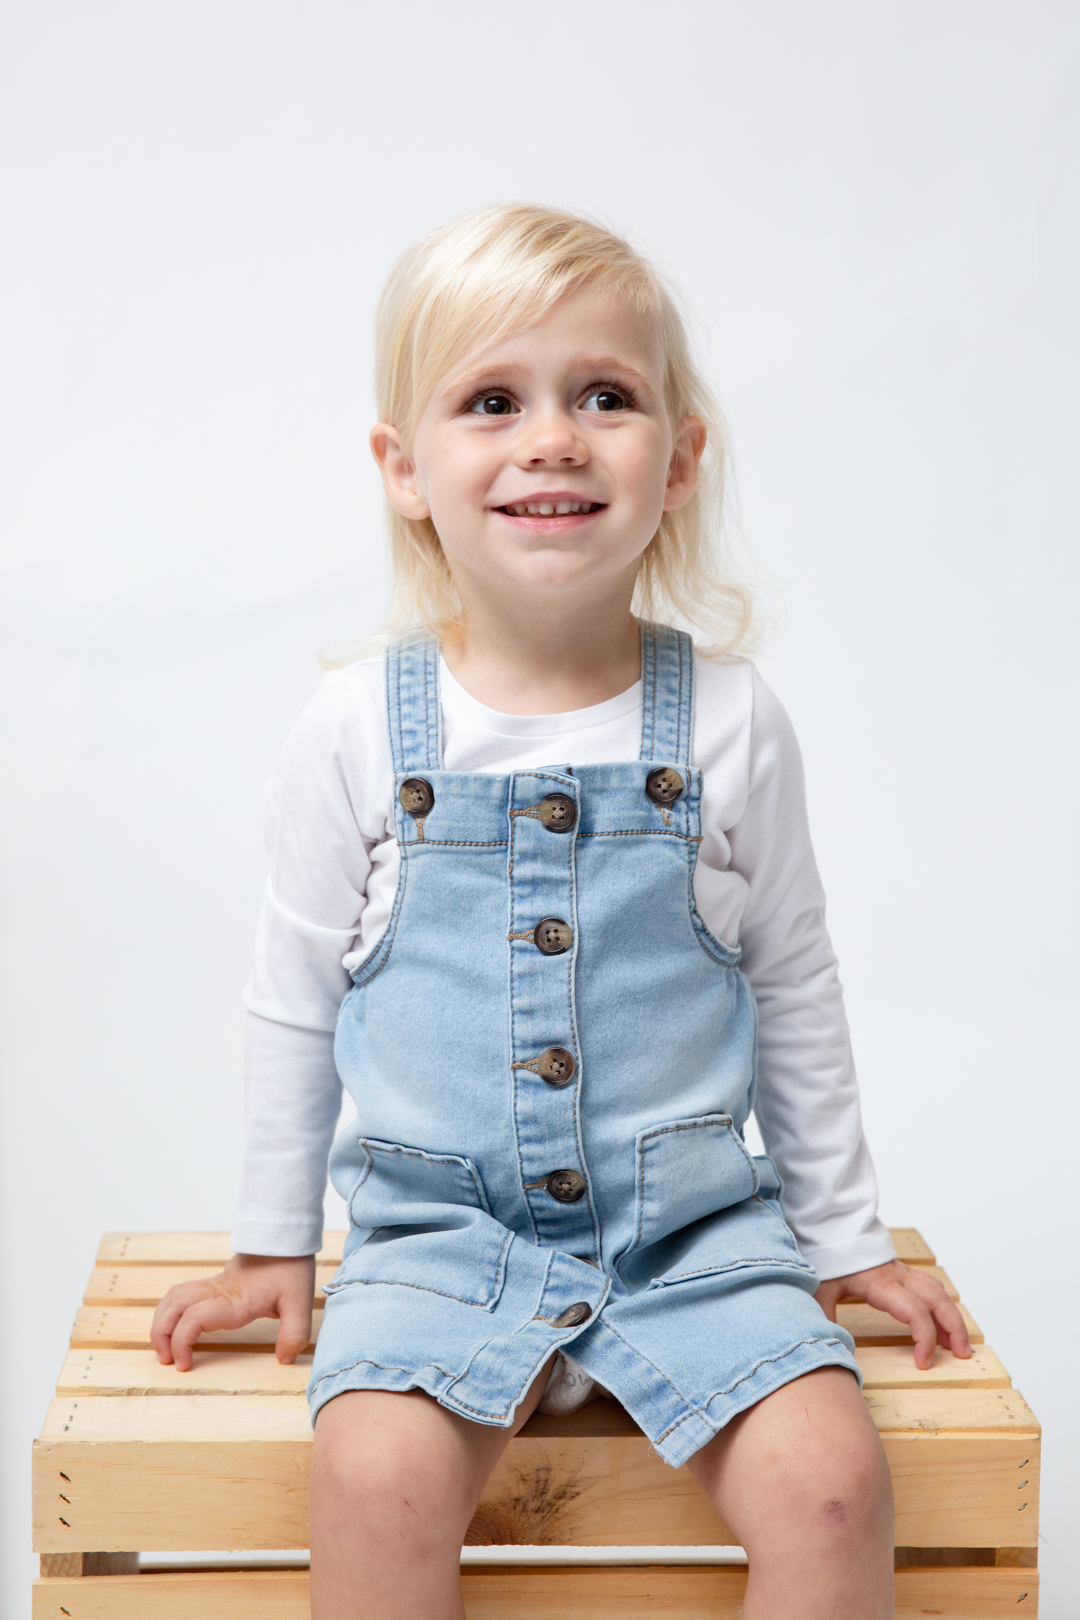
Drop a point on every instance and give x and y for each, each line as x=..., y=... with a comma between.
x=416, y=795
x=553, y=936
x=566, y=1185
x=556, y=1066
x=558, y=812
x=573, y=1316
x=664, y=786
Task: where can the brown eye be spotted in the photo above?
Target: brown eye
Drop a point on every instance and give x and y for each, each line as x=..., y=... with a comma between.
x=492, y=405
x=604, y=399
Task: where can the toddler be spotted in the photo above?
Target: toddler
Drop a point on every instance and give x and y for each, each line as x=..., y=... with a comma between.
x=542, y=896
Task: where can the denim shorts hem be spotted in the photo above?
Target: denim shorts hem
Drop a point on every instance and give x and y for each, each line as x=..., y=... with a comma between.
x=679, y=1443
x=374, y=1376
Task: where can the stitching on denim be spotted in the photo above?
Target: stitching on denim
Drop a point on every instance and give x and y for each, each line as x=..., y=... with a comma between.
x=730, y=1265
x=667, y=1130
x=726, y=955
x=383, y=1366
x=643, y=832
x=456, y=843
x=380, y=1145
x=648, y=693
x=513, y=1027
x=768, y=1361
x=496, y=1286
x=571, y=975
x=687, y=1402
x=359, y=975
x=684, y=752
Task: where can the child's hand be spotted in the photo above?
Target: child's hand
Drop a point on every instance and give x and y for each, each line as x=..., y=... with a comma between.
x=909, y=1295
x=250, y=1286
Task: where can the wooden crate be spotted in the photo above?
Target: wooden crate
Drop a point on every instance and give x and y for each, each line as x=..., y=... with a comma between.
x=135, y=1457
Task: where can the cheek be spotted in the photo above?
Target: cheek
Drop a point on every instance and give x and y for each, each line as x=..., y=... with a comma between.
x=643, y=467
x=458, y=475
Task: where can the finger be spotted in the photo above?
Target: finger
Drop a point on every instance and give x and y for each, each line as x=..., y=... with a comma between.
x=951, y=1329
x=169, y=1312
x=205, y=1316
x=907, y=1307
x=294, y=1334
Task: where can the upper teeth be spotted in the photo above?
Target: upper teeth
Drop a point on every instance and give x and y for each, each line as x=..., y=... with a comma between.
x=550, y=508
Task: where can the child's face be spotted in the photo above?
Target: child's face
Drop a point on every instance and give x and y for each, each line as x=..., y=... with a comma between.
x=566, y=417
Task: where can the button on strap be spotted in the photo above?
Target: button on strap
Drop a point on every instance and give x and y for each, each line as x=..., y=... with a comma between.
x=416, y=795
x=558, y=812
x=664, y=786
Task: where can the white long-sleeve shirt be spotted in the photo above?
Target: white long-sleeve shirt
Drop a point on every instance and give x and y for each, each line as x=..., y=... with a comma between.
x=333, y=862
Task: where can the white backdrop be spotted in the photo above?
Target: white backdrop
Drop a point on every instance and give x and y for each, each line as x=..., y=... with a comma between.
x=873, y=209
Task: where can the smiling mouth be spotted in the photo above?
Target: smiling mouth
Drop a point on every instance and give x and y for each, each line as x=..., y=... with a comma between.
x=550, y=508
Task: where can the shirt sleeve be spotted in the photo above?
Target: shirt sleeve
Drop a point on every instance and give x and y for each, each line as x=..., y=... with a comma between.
x=322, y=821
x=807, y=1104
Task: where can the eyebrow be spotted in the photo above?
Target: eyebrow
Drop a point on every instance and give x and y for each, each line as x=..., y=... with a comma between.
x=594, y=366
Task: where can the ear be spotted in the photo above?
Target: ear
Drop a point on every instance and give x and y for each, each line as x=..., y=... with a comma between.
x=683, y=468
x=398, y=472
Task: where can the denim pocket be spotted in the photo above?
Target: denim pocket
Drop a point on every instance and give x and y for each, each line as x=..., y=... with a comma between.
x=428, y=1225
x=685, y=1169
x=697, y=1206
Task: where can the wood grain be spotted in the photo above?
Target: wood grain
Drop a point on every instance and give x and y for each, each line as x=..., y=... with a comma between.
x=145, y=1285
x=127, y=1327
x=231, y=1471
x=610, y=1593
x=98, y=1369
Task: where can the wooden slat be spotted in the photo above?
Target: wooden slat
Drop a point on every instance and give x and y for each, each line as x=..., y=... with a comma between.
x=214, y=1372
x=231, y=1472
x=187, y=1249
x=134, y=1286
x=127, y=1327
x=102, y=1370
x=527, y=1593
x=145, y=1285
x=213, y=1248
x=869, y=1326
x=943, y=1277
x=893, y=1367
x=911, y=1246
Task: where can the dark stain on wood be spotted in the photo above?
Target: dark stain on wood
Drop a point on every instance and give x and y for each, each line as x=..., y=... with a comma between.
x=536, y=1512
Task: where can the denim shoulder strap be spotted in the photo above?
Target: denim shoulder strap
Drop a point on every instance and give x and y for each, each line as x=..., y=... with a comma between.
x=412, y=706
x=667, y=694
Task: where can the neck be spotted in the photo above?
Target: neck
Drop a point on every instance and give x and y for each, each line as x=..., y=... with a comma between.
x=545, y=656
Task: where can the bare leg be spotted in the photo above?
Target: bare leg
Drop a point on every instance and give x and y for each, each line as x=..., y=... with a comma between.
x=802, y=1480
x=395, y=1480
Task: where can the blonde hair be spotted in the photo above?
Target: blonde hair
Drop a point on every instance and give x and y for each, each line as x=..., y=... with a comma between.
x=472, y=283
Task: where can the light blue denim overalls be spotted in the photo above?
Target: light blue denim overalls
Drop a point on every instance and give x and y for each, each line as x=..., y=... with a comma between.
x=552, y=1061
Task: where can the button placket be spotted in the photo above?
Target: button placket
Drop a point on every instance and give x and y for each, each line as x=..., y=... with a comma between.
x=544, y=814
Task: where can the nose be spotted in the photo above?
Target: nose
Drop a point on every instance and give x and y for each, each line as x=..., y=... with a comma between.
x=551, y=438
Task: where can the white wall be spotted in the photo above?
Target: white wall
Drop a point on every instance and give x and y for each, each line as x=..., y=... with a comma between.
x=873, y=208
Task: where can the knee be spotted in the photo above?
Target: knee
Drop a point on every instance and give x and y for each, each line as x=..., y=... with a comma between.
x=366, y=1479
x=839, y=1490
